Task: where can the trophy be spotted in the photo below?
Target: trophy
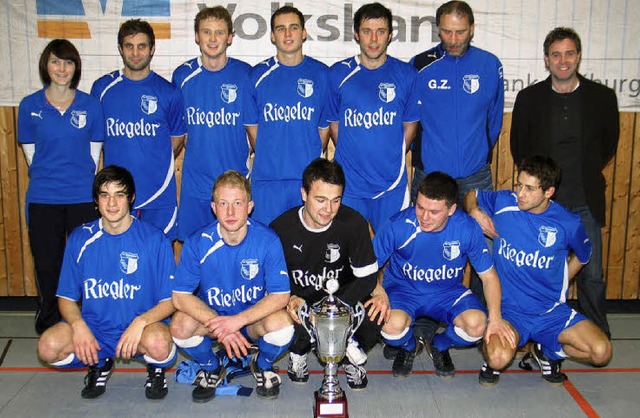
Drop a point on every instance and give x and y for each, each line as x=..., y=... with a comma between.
x=330, y=323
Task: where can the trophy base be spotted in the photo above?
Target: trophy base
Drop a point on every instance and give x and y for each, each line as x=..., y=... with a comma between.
x=330, y=408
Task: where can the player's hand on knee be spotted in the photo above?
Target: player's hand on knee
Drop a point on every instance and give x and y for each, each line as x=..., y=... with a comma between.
x=85, y=345
x=292, y=307
x=378, y=307
x=504, y=331
x=236, y=345
x=221, y=326
x=128, y=344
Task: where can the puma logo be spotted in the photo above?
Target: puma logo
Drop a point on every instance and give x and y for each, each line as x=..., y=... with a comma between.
x=298, y=247
x=37, y=115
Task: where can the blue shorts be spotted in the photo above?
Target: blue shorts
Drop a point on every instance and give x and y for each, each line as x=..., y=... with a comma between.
x=378, y=211
x=193, y=214
x=442, y=306
x=274, y=197
x=544, y=329
x=164, y=219
x=108, y=345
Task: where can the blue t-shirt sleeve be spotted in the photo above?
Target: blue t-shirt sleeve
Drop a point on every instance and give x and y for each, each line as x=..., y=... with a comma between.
x=26, y=131
x=384, y=243
x=97, y=131
x=478, y=251
x=70, y=283
x=275, y=276
x=333, y=105
x=166, y=266
x=496, y=110
x=411, y=107
x=487, y=201
x=187, y=275
x=579, y=242
x=177, y=124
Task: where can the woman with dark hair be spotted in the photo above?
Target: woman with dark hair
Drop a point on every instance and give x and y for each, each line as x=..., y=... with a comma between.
x=61, y=130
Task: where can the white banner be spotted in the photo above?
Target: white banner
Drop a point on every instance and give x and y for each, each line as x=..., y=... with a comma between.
x=512, y=29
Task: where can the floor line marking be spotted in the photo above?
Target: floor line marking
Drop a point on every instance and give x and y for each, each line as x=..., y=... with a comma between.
x=580, y=400
x=5, y=351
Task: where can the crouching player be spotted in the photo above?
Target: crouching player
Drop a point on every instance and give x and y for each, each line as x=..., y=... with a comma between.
x=538, y=247
x=238, y=269
x=114, y=293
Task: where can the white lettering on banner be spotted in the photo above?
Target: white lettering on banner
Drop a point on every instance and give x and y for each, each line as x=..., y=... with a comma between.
x=242, y=294
x=521, y=258
x=276, y=112
x=196, y=116
x=131, y=129
x=354, y=118
x=304, y=279
x=97, y=289
x=429, y=275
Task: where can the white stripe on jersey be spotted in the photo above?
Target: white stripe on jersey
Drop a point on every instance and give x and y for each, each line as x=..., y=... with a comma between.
x=211, y=250
x=366, y=270
x=113, y=83
x=269, y=71
x=400, y=174
x=352, y=73
x=90, y=241
x=193, y=73
x=411, y=238
x=167, y=181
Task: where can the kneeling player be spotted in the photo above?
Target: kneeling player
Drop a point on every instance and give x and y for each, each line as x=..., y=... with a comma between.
x=238, y=267
x=322, y=240
x=118, y=269
x=427, y=248
x=538, y=247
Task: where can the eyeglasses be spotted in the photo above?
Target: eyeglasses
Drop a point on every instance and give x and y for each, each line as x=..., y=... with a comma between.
x=527, y=187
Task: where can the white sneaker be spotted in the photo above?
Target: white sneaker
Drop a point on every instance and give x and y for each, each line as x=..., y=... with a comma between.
x=355, y=354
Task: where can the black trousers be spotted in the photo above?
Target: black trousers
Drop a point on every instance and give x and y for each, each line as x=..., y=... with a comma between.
x=49, y=226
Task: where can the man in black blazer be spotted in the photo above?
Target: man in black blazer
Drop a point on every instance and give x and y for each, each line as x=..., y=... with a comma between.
x=575, y=121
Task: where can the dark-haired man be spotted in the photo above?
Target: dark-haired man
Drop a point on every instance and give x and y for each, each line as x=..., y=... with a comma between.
x=324, y=239
x=539, y=246
x=114, y=293
x=144, y=125
x=575, y=121
x=427, y=248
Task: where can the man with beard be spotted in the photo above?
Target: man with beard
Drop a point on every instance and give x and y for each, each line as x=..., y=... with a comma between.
x=145, y=125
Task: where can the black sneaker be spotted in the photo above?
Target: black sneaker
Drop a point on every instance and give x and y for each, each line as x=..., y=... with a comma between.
x=95, y=382
x=298, y=370
x=488, y=376
x=550, y=368
x=403, y=363
x=356, y=375
x=156, y=386
x=267, y=381
x=389, y=352
x=442, y=362
x=206, y=383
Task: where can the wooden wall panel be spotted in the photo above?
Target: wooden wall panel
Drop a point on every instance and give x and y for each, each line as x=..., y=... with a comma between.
x=621, y=236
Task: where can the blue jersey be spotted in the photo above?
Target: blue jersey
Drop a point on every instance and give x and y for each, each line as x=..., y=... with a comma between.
x=429, y=262
x=461, y=113
x=532, y=249
x=291, y=104
x=231, y=279
x=370, y=107
x=217, y=106
x=141, y=117
x=116, y=277
x=62, y=169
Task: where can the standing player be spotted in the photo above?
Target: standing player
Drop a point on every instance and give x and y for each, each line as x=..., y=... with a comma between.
x=427, y=248
x=290, y=91
x=538, y=247
x=114, y=293
x=238, y=269
x=145, y=125
x=373, y=118
x=217, y=97
x=325, y=240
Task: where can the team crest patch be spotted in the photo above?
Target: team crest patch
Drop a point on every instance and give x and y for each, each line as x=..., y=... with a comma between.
x=249, y=268
x=149, y=104
x=79, y=118
x=547, y=236
x=305, y=87
x=387, y=92
x=128, y=262
x=451, y=250
x=333, y=253
x=471, y=83
x=229, y=93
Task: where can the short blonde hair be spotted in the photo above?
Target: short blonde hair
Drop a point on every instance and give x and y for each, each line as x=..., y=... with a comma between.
x=232, y=178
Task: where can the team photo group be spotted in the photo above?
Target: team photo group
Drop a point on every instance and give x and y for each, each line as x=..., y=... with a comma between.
x=265, y=220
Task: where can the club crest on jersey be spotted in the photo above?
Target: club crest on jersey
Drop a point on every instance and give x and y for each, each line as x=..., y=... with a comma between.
x=547, y=236
x=249, y=268
x=149, y=104
x=128, y=262
x=387, y=92
x=305, y=87
x=471, y=83
x=79, y=119
x=333, y=253
x=451, y=250
x=229, y=93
